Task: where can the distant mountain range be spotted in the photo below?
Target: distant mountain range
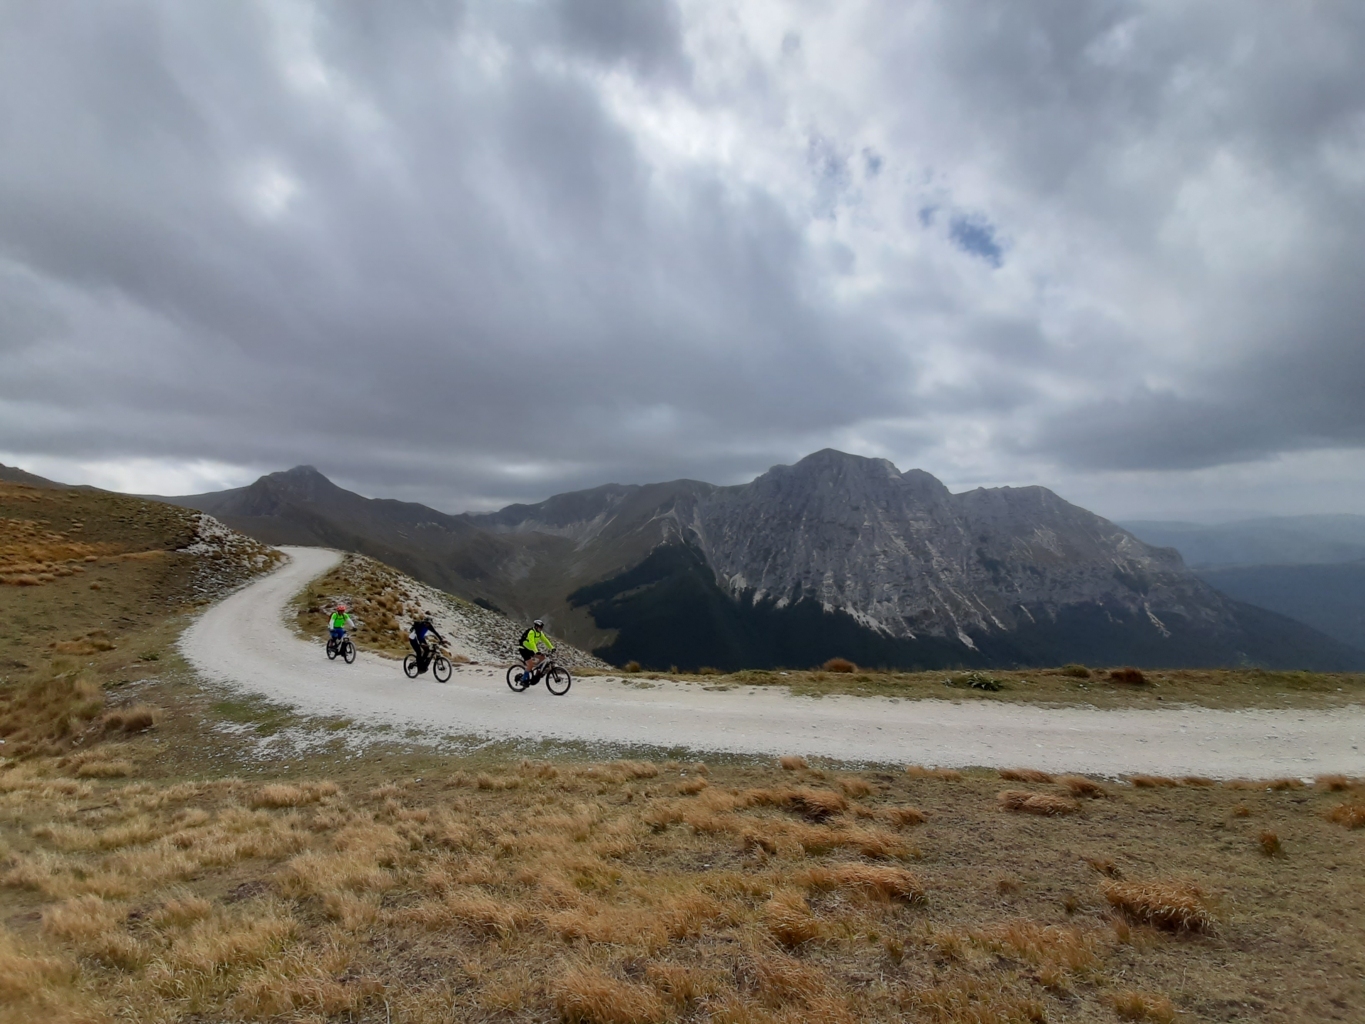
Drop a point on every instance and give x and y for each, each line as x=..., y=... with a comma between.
x=1310, y=568
x=837, y=555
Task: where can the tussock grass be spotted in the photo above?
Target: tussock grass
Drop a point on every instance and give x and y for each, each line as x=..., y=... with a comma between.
x=1143, y=1006
x=792, y=763
x=585, y=995
x=1334, y=783
x=1352, y=815
x=1270, y=843
x=839, y=665
x=1025, y=775
x=1045, y=804
x=941, y=774
x=1175, y=906
x=903, y=817
x=1153, y=782
x=1080, y=786
x=887, y=882
x=572, y=891
x=1129, y=676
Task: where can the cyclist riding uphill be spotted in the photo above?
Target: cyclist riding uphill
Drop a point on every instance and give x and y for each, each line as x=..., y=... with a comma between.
x=417, y=636
x=529, y=648
x=340, y=622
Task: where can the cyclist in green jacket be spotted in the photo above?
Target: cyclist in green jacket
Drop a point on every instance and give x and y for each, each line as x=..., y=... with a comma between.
x=528, y=649
x=340, y=622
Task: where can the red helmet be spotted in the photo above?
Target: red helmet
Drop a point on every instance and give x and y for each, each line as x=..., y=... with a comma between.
x=341, y=607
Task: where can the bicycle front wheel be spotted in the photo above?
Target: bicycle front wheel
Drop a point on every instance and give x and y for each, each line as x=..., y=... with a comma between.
x=348, y=651
x=331, y=650
x=410, y=666
x=440, y=668
x=513, y=683
x=558, y=681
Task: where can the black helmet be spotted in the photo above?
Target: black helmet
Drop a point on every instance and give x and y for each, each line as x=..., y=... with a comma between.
x=539, y=624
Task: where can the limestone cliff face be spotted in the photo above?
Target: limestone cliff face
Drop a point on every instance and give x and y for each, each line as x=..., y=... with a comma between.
x=904, y=556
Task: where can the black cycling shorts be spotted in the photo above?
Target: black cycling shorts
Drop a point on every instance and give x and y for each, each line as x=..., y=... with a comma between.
x=524, y=653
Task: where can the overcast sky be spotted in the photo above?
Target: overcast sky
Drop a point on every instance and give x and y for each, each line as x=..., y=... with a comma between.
x=474, y=253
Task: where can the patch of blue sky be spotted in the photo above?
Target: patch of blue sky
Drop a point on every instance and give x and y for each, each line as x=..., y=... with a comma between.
x=976, y=235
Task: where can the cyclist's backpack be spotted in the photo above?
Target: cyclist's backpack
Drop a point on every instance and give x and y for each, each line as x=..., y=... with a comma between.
x=522, y=641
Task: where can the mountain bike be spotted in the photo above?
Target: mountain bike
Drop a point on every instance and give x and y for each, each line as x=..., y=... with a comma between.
x=556, y=676
x=435, y=660
x=342, y=647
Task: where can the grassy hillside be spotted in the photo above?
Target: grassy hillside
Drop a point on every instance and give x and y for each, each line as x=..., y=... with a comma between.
x=162, y=859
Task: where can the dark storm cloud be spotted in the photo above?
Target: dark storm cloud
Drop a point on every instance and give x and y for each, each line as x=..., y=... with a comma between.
x=484, y=251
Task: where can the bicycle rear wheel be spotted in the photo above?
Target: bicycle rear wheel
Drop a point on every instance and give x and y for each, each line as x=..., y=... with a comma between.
x=558, y=681
x=410, y=666
x=440, y=668
x=513, y=683
x=348, y=651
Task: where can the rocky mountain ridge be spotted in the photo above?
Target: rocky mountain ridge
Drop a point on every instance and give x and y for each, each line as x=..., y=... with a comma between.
x=835, y=555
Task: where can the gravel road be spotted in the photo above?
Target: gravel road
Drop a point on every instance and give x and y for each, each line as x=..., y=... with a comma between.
x=243, y=642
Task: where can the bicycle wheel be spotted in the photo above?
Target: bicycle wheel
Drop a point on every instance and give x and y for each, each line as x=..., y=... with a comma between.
x=558, y=681
x=331, y=650
x=440, y=668
x=512, y=681
x=410, y=666
x=348, y=651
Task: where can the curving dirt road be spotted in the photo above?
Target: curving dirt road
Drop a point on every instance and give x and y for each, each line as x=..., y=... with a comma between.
x=243, y=642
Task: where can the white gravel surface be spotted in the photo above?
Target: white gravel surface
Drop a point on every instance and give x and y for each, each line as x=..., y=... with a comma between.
x=244, y=642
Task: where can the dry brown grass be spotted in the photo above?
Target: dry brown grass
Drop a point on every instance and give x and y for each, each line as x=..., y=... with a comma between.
x=1025, y=775
x=1153, y=782
x=1270, y=843
x=839, y=665
x=585, y=995
x=1046, y=804
x=1176, y=906
x=1128, y=676
x=903, y=817
x=941, y=774
x=1352, y=815
x=1143, y=1006
x=538, y=891
x=792, y=763
x=1333, y=783
x=1080, y=786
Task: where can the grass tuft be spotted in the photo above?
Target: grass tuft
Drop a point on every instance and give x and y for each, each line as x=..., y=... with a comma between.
x=1142, y=1006
x=839, y=665
x=1153, y=782
x=1352, y=815
x=789, y=919
x=793, y=763
x=1270, y=844
x=1174, y=906
x=1128, y=676
x=886, y=882
x=1080, y=786
x=1045, y=804
x=1025, y=775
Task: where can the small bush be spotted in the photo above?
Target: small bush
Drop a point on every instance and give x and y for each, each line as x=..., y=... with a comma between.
x=1075, y=671
x=1130, y=676
x=1350, y=815
x=1270, y=844
x=1045, y=804
x=632, y=666
x=1173, y=906
x=839, y=665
